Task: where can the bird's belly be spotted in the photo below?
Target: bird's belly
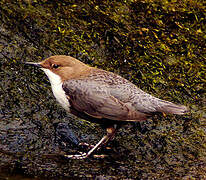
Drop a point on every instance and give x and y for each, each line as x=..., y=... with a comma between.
x=60, y=96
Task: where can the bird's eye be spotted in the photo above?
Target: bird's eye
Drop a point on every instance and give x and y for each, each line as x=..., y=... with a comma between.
x=55, y=66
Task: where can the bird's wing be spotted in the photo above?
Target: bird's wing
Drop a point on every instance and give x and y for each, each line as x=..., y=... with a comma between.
x=94, y=99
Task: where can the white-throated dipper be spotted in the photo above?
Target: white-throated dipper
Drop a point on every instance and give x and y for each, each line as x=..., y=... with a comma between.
x=100, y=96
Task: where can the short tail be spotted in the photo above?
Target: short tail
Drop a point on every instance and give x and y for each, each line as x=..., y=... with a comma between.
x=171, y=108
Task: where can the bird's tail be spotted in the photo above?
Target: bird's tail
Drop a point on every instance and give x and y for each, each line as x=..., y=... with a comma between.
x=171, y=108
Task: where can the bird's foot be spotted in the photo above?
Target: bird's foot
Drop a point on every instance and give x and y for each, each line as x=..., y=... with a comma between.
x=84, y=156
x=86, y=145
x=77, y=156
x=90, y=146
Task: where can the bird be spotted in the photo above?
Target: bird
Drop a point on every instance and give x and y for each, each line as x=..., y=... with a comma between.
x=100, y=96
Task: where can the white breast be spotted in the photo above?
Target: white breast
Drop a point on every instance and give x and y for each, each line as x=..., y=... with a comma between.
x=57, y=89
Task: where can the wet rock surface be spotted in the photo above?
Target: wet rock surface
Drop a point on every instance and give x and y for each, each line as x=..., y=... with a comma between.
x=147, y=43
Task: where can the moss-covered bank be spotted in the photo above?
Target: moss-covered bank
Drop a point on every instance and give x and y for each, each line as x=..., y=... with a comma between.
x=158, y=45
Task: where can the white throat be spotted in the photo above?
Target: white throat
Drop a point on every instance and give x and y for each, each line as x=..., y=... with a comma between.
x=56, y=84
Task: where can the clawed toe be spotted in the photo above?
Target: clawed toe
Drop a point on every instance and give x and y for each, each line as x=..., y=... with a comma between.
x=86, y=144
x=84, y=156
x=77, y=156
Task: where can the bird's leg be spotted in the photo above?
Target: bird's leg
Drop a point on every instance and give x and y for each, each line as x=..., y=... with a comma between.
x=110, y=134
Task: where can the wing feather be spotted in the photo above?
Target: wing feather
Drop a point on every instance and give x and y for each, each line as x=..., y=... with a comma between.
x=94, y=99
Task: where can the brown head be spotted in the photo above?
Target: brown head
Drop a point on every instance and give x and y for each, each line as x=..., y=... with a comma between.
x=66, y=67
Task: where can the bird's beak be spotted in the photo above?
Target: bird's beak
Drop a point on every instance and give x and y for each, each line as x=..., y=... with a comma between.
x=34, y=64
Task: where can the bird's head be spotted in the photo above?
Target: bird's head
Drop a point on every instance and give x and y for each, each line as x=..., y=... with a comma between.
x=65, y=67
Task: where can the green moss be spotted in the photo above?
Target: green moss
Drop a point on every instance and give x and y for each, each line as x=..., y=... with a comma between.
x=158, y=45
